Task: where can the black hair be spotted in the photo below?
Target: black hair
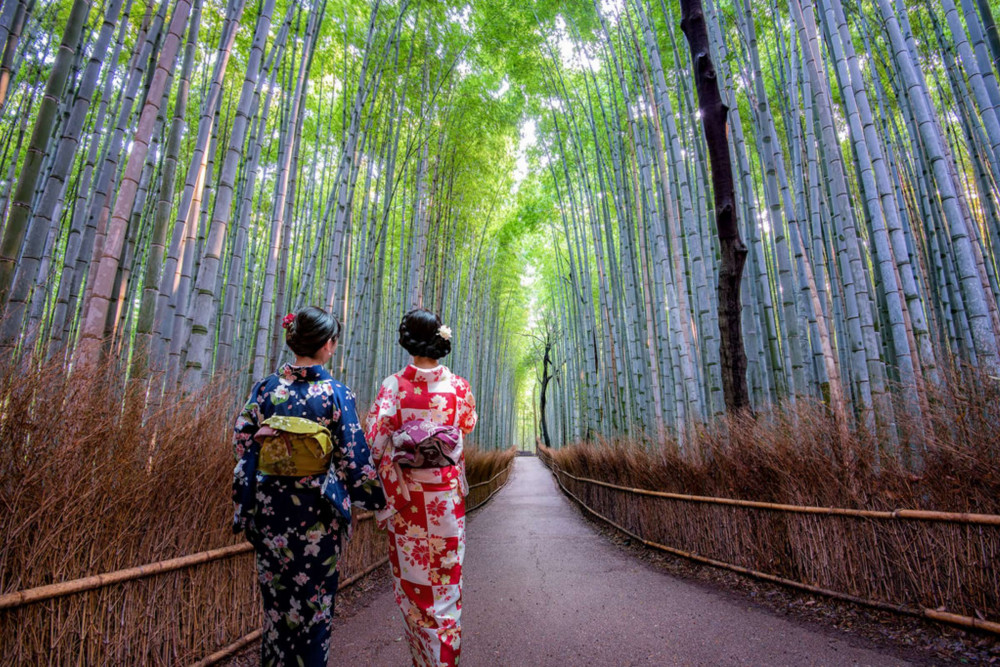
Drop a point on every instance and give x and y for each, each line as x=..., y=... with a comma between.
x=311, y=328
x=418, y=334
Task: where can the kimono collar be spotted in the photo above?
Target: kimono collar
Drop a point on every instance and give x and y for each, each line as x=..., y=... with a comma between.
x=436, y=374
x=291, y=373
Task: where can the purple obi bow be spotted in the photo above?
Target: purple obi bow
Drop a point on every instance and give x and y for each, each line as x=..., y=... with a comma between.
x=421, y=443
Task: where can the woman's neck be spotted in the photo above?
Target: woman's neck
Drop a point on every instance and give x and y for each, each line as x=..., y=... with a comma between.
x=307, y=361
x=425, y=363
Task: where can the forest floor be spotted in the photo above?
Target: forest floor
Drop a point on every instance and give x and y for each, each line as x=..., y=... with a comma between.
x=546, y=586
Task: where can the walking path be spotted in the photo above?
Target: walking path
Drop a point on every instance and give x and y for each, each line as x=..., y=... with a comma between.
x=543, y=588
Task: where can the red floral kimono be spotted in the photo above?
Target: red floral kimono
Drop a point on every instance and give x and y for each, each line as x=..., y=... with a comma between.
x=426, y=531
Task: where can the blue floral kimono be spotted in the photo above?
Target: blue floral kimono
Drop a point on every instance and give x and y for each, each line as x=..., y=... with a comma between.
x=296, y=521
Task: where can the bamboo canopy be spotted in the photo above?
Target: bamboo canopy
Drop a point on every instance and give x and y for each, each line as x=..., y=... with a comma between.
x=164, y=209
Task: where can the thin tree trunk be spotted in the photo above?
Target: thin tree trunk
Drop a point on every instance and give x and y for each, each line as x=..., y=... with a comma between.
x=734, y=252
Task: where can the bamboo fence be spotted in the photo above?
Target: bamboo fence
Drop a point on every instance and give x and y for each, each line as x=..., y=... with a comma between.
x=168, y=612
x=482, y=492
x=938, y=565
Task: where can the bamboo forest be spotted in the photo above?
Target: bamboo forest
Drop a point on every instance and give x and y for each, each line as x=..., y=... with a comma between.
x=740, y=251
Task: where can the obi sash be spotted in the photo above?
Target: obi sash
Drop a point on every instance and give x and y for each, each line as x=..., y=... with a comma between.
x=421, y=443
x=293, y=446
x=411, y=435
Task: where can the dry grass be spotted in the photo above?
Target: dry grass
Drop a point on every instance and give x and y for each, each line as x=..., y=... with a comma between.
x=794, y=455
x=482, y=465
x=87, y=488
x=482, y=469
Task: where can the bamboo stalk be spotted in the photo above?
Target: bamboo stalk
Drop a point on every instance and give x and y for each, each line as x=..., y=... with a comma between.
x=947, y=617
x=917, y=515
x=368, y=570
x=227, y=651
x=495, y=491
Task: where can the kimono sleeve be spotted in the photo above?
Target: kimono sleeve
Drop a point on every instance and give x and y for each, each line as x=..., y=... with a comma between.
x=383, y=418
x=356, y=468
x=246, y=451
x=467, y=417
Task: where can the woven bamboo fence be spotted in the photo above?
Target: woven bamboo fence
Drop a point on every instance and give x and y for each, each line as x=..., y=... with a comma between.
x=939, y=565
x=481, y=492
x=171, y=612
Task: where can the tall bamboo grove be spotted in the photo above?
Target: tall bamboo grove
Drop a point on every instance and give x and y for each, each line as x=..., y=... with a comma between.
x=863, y=138
x=175, y=176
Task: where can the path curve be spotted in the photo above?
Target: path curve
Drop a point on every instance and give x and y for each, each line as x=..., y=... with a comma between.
x=542, y=587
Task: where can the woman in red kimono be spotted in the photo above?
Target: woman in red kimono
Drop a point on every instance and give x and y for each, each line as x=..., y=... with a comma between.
x=423, y=412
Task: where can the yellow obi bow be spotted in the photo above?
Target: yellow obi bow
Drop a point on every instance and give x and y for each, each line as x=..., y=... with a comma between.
x=293, y=446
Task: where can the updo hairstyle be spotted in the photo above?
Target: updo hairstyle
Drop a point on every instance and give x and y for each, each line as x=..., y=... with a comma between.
x=418, y=334
x=310, y=330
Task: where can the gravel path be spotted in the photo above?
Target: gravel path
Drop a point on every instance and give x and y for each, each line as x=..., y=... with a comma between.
x=542, y=587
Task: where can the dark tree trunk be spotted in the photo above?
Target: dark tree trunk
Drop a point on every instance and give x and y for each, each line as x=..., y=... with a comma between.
x=714, y=117
x=546, y=378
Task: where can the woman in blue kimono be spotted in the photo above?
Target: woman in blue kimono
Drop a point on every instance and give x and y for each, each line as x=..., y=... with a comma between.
x=301, y=462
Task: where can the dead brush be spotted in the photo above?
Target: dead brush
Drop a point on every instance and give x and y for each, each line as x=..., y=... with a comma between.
x=88, y=488
x=793, y=454
x=486, y=471
x=481, y=465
